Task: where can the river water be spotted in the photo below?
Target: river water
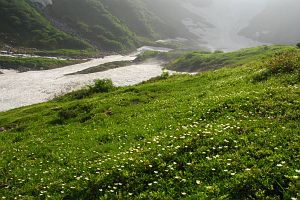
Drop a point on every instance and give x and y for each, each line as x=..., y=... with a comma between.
x=21, y=89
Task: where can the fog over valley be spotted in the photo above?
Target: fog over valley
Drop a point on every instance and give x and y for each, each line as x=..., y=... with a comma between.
x=226, y=18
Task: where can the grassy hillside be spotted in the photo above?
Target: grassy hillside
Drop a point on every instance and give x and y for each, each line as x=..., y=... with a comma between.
x=232, y=133
x=196, y=61
x=23, y=25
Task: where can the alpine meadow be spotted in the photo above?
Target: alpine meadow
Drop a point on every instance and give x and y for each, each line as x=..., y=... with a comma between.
x=137, y=99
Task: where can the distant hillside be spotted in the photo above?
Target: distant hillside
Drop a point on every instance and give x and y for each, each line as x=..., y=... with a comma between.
x=155, y=19
x=277, y=24
x=23, y=25
x=196, y=61
x=108, y=25
x=139, y=18
x=63, y=24
x=90, y=20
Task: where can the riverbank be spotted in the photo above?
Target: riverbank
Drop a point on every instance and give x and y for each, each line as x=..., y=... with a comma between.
x=23, y=64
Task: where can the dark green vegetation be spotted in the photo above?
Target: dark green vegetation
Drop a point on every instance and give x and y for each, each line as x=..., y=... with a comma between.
x=224, y=134
x=298, y=45
x=66, y=53
x=104, y=67
x=28, y=64
x=80, y=24
x=23, y=25
x=94, y=23
x=101, y=86
x=163, y=56
x=120, y=25
x=196, y=61
x=69, y=53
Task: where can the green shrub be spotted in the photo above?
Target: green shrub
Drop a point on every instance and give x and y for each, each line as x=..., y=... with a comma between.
x=284, y=63
x=99, y=86
x=287, y=62
x=165, y=74
x=103, y=85
x=218, y=51
x=298, y=45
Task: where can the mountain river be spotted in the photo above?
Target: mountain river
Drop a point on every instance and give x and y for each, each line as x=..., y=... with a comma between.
x=21, y=89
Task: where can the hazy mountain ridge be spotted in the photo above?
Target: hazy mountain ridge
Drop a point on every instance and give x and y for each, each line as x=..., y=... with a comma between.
x=276, y=23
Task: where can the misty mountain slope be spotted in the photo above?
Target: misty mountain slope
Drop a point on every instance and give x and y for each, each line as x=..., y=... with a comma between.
x=117, y=25
x=93, y=22
x=277, y=23
x=139, y=18
x=23, y=25
x=173, y=13
x=156, y=19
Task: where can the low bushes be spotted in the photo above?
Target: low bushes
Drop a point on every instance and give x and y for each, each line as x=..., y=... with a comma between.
x=287, y=62
x=99, y=86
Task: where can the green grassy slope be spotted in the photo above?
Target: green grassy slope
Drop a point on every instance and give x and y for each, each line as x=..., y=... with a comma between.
x=22, y=25
x=196, y=61
x=232, y=133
